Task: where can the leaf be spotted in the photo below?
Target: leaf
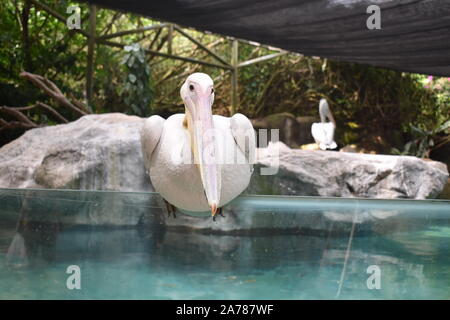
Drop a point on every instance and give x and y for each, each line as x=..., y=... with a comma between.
x=444, y=126
x=418, y=130
x=135, y=109
x=141, y=57
x=125, y=59
x=131, y=61
x=132, y=78
x=135, y=47
x=422, y=148
x=353, y=125
x=407, y=147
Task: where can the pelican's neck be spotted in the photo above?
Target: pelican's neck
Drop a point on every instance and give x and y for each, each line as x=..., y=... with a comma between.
x=323, y=112
x=322, y=117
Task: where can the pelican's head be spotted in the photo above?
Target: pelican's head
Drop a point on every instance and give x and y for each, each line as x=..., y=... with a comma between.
x=197, y=93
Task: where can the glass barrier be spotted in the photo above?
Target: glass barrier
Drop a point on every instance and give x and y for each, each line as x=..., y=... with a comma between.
x=72, y=244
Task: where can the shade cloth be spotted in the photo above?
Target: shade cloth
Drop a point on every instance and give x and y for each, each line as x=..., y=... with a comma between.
x=414, y=35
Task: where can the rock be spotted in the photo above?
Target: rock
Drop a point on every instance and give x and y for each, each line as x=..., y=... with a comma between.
x=292, y=131
x=92, y=153
x=310, y=146
x=353, y=148
x=341, y=174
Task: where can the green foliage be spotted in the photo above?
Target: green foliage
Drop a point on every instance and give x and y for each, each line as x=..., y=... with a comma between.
x=424, y=140
x=36, y=42
x=136, y=90
x=431, y=129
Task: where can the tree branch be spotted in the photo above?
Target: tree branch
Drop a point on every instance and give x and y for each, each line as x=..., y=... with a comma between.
x=55, y=113
x=52, y=90
x=18, y=115
x=14, y=125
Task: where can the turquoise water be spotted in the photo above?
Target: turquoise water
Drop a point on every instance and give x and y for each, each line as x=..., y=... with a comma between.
x=409, y=242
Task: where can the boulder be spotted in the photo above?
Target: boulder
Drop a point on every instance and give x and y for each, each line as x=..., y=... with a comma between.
x=96, y=152
x=342, y=174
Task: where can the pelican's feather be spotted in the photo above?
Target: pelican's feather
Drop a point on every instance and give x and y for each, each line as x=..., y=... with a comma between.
x=150, y=134
x=244, y=135
x=323, y=134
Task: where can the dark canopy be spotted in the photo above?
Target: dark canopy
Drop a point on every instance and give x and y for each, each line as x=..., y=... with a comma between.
x=414, y=35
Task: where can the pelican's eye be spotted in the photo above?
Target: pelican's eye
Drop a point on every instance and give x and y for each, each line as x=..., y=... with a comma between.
x=212, y=90
x=191, y=87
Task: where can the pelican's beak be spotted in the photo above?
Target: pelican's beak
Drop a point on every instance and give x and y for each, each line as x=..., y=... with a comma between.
x=205, y=149
x=213, y=209
x=330, y=115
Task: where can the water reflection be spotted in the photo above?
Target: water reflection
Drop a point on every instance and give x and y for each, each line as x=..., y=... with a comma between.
x=40, y=242
x=35, y=239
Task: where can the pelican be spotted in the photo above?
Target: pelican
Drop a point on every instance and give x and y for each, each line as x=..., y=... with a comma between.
x=323, y=132
x=196, y=161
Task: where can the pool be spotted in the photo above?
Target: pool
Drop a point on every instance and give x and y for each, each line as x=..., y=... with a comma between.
x=266, y=247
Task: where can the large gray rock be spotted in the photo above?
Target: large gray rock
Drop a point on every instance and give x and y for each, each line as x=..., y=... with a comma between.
x=92, y=153
x=341, y=174
x=103, y=152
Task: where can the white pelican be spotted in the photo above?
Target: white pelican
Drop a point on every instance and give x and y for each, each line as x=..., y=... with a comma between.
x=197, y=161
x=323, y=132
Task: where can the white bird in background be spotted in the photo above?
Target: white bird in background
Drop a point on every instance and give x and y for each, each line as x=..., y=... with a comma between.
x=197, y=161
x=323, y=132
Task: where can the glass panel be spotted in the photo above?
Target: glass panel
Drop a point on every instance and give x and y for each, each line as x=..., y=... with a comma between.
x=266, y=247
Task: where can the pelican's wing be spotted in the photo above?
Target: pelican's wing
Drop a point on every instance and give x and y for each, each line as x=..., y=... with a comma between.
x=317, y=132
x=244, y=135
x=329, y=133
x=323, y=134
x=150, y=134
